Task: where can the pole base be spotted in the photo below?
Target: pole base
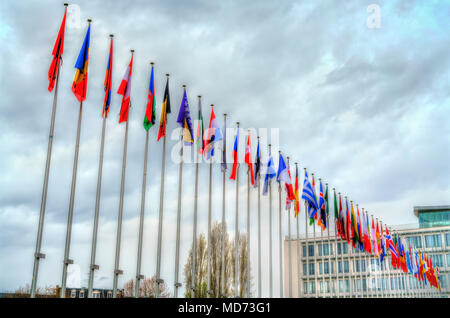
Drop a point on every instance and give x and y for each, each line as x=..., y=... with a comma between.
x=159, y=281
x=39, y=255
x=139, y=277
x=94, y=267
x=68, y=261
x=118, y=272
x=178, y=285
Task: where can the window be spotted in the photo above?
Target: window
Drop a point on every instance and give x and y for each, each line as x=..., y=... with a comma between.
x=346, y=268
x=311, y=250
x=324, y=286
x=433, y=219
x=443, y=281
x=109, y=294
x=311, y=269
x=326, y=268
x=448, y=260
x=356, y=269
x=81, y=293
x=305, y=287
x=312, y=287
x=324, y=249
x=73, y=293
x=438, y=260
x=447, y=239
x=342, y=248
x=415, y=241
x=96, y=294
x=433, y=240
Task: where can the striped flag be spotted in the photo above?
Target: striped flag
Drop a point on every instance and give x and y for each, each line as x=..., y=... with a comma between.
x=248, y=159
x=57, y=52
x=297, y=201
x=309, y=196
x=79, y=86
x=213, y=135
x=270, y=173
x=150, y=114
x=165, y=109
x=107, y=83
x=257, y=165
x=184, y=119
x=200, y=129
x=235, y=156
x=124, y=90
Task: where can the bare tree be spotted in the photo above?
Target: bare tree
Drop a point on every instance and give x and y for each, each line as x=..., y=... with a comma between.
x=146, y=288
x=200, y=285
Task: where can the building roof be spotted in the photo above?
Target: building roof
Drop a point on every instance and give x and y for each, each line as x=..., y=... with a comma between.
x=427, y=209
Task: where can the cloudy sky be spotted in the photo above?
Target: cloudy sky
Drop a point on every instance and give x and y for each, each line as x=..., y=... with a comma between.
x=366, y=109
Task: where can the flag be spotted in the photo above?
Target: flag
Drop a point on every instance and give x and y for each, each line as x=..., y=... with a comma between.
x=184, y=119
x=360, y=241
x=57, y=52
x=378, y=239
x=289, y=190
x=336, y=211
x=235, y=156
x=270, y=173
x=283, y=175
x=348, y=226
x=383, y=245
x=257, y=165
x=124, y=90
x=322, y=206
x=341, y=221
x=374, y=239
x=366, y=240
x=309, y=196
x=355, y=237
x=311, y=221
x=297, y=201
x=107, y=83
x=79, y=85
x=327, y=209
x=223, y=166
x=200, y=130
x=213, y=135
x=150, y=112
x=248, y=159
x=165, y=109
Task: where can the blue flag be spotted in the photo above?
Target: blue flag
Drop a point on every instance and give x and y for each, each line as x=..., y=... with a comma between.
x=309, y=196
x=270, y=173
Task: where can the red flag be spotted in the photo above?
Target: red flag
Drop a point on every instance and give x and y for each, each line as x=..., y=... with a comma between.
x=124, y=90
x=248, y=159
x=235, y=156
x=57, y=53
x=108, y=77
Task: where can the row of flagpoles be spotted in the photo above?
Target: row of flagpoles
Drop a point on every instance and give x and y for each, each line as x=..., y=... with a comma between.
x=348, y=225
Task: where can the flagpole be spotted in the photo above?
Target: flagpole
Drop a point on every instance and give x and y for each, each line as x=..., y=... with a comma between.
x=161, y=212
x=259, y=231
x=180, y=185
x=280, y=237
x=342, y=258
x=209, y=291
x=139, y=276
x=315, y=254
x=365, y=260
x=194, y=231
x=337, y=292
x=37, y=254
x=381, y=268
x=298, y=245
x=289, y=244
x=93, y=266
x=330, y=249
x=236, y=236
x=270, y=232
x=222, y=274
x=307, y=272
x=248, y=226
x=349, y=249
x=323, y=262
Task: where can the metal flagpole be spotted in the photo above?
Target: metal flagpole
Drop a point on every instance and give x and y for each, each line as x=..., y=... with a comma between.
x=37, y=254
x=342, y=262
x=139, y=276
x=236, y=236
x=323, y=259
x=349, y=249
x=289, y=243
x=298, y=246
x=208, y=280
x=365, y=259
x=381, y=269
x=280, y=238
x=161, y=211
x=315, y=254
x=180, y=186
x=224, y=168
x=360, y=257
x=337, y=292
x=270, y=233
x=68, y=261
x=376, y=267
x=307, y=273
x=259, y=231
x=118, y=271
x=194, y=230
x=92, y=266
x=248, y=226
x=330, y=249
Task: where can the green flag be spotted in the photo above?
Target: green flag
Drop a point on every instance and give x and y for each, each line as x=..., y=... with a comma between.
x=150, y=115
x=336, y=213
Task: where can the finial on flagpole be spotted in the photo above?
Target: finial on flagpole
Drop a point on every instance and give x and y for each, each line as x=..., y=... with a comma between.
x=152, y=63
x=89, y=20
x=295, y=163
x=237, y=123
x=199, y=96
x=132, y=51
x=326, y=184
x=212, y=105
x=66, y=4
x=167, y=75
x=111, y=35
x=320, y=179
x=334, y=189
x=257, y=137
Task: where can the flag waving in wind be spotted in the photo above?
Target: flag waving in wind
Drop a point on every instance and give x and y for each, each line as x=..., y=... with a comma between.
x=213, y=135
x=322, y=222
x=79, y=86
x=108, y=77
x=257, y=165
x=165, y=109
x=200, y=129
x=124, y=90
x=235, y=156
x=290, y=195
x=283, y=175
x=297, y=201
x=57, y=52
x=184, y=119
x=248, y=159
x=309, y=196
x=270, y=173
x=150, y=112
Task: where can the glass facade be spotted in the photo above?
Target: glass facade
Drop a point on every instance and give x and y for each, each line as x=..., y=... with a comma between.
x=415, y=241
x=434, y=219
x=433, y=240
